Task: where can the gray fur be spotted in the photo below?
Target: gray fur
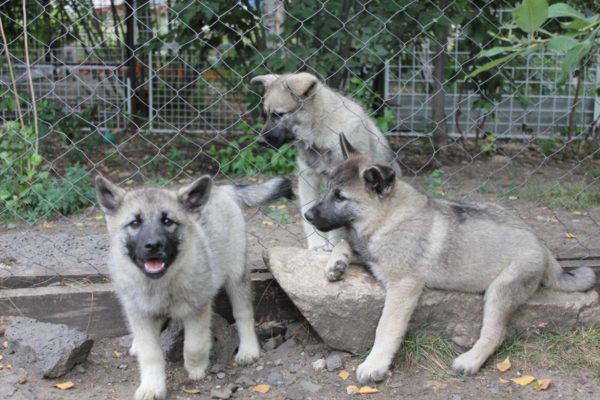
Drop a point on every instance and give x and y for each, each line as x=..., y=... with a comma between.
x=410, y=241
x=251, y=196
x=210, y=234
x=302, y=109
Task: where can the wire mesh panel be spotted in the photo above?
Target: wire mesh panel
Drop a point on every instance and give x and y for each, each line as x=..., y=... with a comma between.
x=532, y=104
x=160, y=92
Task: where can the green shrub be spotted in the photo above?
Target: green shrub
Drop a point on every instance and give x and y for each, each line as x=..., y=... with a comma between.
x=435, y=183
x=245, y=156
x=26, y=191
x=64, y=196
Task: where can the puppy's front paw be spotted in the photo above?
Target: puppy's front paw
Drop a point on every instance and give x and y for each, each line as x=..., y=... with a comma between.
x=319, y=243
x=247, y=354
x=133, y=349
x=465, y=364
x=326, y=248
x=370, y=371
x=153, y=390
x=197, y=372
x=335, y=270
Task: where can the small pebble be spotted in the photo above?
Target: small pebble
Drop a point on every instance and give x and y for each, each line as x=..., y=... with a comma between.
x=319, y=365
x=334, y=362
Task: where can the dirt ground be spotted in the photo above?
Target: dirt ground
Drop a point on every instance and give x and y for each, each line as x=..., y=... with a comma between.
x=110, y=373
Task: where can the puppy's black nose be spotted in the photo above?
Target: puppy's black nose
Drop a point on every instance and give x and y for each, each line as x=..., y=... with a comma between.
x=154, y=245
x=310, y=215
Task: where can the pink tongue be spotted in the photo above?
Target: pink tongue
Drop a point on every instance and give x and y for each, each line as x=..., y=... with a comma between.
x=153, y=265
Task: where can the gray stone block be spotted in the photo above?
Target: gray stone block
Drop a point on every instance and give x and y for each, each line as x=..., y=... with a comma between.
x=345, y=313
x=171, y=340
x=224, y=336
x=51, y=350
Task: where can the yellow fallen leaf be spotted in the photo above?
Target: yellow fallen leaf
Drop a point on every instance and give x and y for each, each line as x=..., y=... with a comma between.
x=1, y=357
x=65, y=385
x=504, y=366
x=262, y=388
x=117, y=354
x=5, y=366
x=504, y=380
x=5, y=344
x=578, y=213
x=579, y=390
x=542, y=384
x=344, y=374
x=523, y=380
x=570, y=235
x=46, y=225
x=130, y=182
x=99, y=217
x=267, y=223
x=352, y=389
x=281, y=206
x=191, y=391
x=367, y=390
x=435, y=385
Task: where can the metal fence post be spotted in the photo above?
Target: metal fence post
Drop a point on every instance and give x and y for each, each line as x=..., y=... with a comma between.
x=150, y=100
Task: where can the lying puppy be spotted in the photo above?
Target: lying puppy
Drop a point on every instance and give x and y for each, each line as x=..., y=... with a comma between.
x=410, y=241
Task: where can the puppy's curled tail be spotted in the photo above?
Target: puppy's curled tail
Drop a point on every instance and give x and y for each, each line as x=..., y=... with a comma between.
x=256, y=195
x=575, y=280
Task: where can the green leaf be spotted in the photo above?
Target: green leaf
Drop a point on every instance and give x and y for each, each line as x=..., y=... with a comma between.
x=5, y=194
x=564, y=10
x=572, y=60
x=492, y=64
x=562, y=43
x=35, y=159
x=530, y=15
x=496, y=50
x=578, y=24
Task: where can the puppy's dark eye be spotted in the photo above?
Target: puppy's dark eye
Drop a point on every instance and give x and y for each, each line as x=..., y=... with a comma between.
x=136, y=222
x=277, y=115
x=167, y=221
x=337, y=195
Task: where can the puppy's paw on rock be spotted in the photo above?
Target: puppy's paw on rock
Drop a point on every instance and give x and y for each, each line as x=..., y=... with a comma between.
x=335, y=271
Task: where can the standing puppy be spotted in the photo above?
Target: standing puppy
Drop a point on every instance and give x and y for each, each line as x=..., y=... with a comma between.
x=170, y=253
x=300, y=108
x=410, y=241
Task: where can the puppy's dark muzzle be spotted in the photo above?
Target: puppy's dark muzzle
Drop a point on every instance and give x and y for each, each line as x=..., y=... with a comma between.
x=310, y=215
x=271, y=140
x=275, y=135
x=313, y=216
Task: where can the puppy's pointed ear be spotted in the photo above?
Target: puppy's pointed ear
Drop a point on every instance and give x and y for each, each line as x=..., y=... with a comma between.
x=379, y=179
x=301, y=84
x=195, y=195
x=347, y=149
x=108, y=194
x=264, y=80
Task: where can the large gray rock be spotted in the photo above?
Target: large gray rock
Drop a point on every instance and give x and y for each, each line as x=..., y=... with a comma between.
x=51, y=350
x=345, y=313
x=171, y=340
x=225, y=340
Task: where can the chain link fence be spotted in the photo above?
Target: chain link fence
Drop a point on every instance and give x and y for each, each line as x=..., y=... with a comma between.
x=159, y=92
